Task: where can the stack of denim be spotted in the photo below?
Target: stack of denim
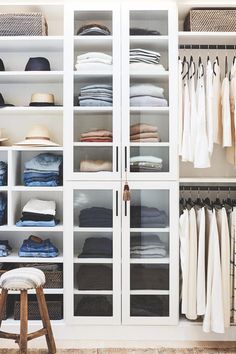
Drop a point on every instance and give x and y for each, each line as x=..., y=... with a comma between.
x=38, y=213
x=43, y=170
x=5, y=248
x=3, y=173
x=95, y=95
x=3, y=209
x=36, y=247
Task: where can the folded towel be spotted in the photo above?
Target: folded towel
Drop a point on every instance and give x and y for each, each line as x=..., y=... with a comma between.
x=148, y=101
x=95, y=166
x=142, y=128
x=97, y=133
x=40, y=206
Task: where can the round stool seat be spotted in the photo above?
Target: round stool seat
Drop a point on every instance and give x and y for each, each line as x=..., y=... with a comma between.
x=22, y=279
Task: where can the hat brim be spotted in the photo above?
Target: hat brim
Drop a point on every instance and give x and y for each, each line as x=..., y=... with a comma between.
x=3, y=139
x=7, y=105
x=36, y=142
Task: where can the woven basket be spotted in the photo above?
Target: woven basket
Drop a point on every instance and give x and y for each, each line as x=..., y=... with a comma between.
x=54, y=280
x=23, y=24
x=55, y=310
x=211, y=20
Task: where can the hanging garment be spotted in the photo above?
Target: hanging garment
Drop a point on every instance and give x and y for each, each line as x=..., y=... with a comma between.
x=184, y=257
x=214, y=316
x=201, y=156
x=226, y=117
x=180, y=106
x=201, y=268
x=223, y=229
x=193, y=108
x=231, y=151
x=234, y=284
x=209, y=115
x=232, y=250
x=186, y=139
x=216, y=103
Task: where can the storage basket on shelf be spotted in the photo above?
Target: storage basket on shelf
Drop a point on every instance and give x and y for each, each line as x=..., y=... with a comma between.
x=54, y=278
x=211, y=20
x=55, y=310
x=23, y=24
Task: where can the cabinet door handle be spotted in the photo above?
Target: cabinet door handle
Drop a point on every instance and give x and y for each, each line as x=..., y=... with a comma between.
x=116, y=203
x=125, y=157
x=125, y=208
x=117, y=158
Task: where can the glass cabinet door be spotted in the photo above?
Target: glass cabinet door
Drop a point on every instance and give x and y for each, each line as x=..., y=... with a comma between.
x=150, y=253
x=95, y=252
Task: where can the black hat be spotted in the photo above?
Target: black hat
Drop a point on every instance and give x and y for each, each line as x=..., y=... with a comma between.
x=2, y=67
x=3, y=104
x=38, y=64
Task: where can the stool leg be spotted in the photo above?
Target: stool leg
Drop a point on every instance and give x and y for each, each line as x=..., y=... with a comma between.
x=23, y=321
x=46, y=320
x=3, y=300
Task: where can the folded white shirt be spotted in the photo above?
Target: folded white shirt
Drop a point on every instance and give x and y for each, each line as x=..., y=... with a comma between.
x=94, y=67
x=152, y=68
x=146, y=90
x=146, y=159
x=94, y=57
x=40, y=207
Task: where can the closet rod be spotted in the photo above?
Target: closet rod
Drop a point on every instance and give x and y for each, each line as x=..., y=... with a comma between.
x=207, y=188
x=207, y=46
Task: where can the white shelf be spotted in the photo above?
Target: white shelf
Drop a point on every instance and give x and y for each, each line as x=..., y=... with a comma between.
x=13, y=257
x=217, y=38
x=93, y=260
x=37, y=189
x=35, y=148
x=31, y=110
x=58, y=228
x=151, y=144
x=93, y=292
x=8, y=77
x=83, y=75
x=150, y=229
x=3, y=188
x=161, y=110
x=81, y=109
x=160, y=42
x=149, y=261
x=31, y=43
x=84, y=144
x=149, y=292
x=207, y=180
x=88, y=43
x=149, y=75
x=93, y=229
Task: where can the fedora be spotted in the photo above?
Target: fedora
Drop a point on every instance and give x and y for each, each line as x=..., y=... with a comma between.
x=38, y=135
x=2, y=67
x=42, y=99
x=3, y=104
x=1, y=138
x=38, y=64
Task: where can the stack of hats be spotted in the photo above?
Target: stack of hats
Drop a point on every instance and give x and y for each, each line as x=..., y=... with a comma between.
x=5, y=248
x=95, y=95
x=3, y=209
x=38, y=213
x=3, y=173
x=99, y=136
x=143, y=132
x=95, y=217
x=142, y=59
x=146, y=164
x=38, y=135
x=147, y=95
x=43, y=170
x=93, y=29
x=143, y=216
x=93, y=61
x=38, y=64
x=36, y=247
x=97, y=247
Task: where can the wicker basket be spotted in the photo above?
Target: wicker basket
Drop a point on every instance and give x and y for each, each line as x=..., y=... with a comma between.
x=23, y=24
x=54, y=280
x=211, y=20
x=55, y=310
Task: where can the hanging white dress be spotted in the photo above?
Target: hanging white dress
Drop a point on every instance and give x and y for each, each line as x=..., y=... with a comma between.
x=180, y=106
x=209, y=115
x=231, y=151
x=231, y=232
x=201, y=264
x=216, y=104
x=193, y=108
x=226, y=116
x=201, y=156
x=234, y=285
x=186, y=141
x=214, y=315
x=184, y=257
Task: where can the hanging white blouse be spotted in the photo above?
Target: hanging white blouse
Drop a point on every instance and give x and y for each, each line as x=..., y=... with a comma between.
x=201, y=156
x=193, y=107
x=186, y=141
x=180, y=106
x=184, y=257
x=209, y=115
x=232, y=230
x=201, y=265
x=216, y=104
x=214, y=315
x=231, y=151
x=226, y=117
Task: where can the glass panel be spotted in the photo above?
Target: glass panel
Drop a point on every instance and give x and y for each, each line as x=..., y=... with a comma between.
x=3, y=208
x=149, y=209
x=149, y=245
x=93, y=276
x=83, y=18
x=151, y=20
x=149, y=159
x=149, y=277
x=93, y=305
x=148, y=92
x=93, y=245
x=149, y=305
x=93, y=159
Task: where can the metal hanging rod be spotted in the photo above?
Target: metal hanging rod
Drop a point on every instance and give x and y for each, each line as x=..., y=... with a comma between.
x=208, y=46
x=207, y=188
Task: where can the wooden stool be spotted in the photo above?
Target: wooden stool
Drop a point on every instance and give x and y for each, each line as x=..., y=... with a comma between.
x=24, y=279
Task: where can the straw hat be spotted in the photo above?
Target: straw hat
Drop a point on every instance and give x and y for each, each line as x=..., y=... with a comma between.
x=1, y=138
x=42, y=99
x=37, y=136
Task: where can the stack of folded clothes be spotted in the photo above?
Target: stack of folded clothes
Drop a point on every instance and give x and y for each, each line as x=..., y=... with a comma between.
x=95, y=95
x=3, y=209
x=136, y=31
x=144, y=133
x=147, y=95
x=5, y=248
x=3, y=173
x=93, y=29
x=95, y=217
x=149, y=276
x=43, y=170
x=100, y=135
x=94, y=305
x=148, y=246
x=38, y=213
x=93, y=61
x=94, y=277
x=95, y=247
x=145, y=164
x=95, y=166
x=143, y=216
x=142, y=59
x=36, y=247
x=149, y=305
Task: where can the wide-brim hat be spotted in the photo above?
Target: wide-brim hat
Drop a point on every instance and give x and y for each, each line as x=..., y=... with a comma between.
x=3, y=104
x=42, y=100
x=38, y=135
x=38, y=64
x=1, y=137
x=2, y=67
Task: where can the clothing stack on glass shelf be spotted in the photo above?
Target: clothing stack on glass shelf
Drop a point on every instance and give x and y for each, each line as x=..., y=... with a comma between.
x=93, y=29
x=3, y=209
x=3, y=173
x=36, y=247
x=207, y=252
x=98, y=136
x=95, y=95
x=94, y=277
x=5, y=248
x=97, y=247
x=93, y=61
x=149, y=276
x=143, y=216
x=207, y=111
x=143, y=132
x=95, y=166
x=143, y=59
x=147, y=95
x=43, y=170
x=38, y=213
x=148, y=246
x=145, y=164
x=94, y=305
x=95, y=217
